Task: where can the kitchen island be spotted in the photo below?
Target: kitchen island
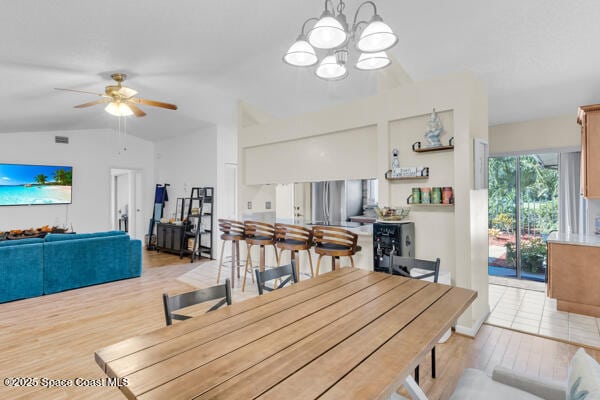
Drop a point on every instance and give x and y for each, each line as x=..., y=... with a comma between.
x=574, y=273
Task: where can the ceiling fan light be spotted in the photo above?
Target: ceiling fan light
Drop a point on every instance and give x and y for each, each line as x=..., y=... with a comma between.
x=330, y=70
x=301, y=54
x=373, y=61
x=328, y=32
x=118, y=109
x=376, y=37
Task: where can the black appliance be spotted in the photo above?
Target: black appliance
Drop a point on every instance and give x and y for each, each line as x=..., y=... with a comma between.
x=392, y=238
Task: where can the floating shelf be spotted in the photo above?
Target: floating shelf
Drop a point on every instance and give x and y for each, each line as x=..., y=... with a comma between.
x=430, y=205
x=405, y=178
x=418, y=149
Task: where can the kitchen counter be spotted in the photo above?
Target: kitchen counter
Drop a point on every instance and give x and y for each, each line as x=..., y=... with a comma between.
x=571, y=238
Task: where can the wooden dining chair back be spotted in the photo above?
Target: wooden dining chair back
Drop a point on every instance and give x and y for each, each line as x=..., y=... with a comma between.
x=334, y=242
x=278, y=273
x=232, y=231
x=177, y=302
x=260, y=234
x=403, y=266
x=294, y=238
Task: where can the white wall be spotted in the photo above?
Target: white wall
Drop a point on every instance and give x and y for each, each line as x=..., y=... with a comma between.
x=122, y=195
x=185, y=162
x=92, y=153
x=556, y=133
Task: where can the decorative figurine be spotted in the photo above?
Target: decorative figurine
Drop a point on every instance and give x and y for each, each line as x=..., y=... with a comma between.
x=434, y=130
x=395, y=164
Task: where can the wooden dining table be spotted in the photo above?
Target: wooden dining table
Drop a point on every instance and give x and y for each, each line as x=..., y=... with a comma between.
x=347, y=334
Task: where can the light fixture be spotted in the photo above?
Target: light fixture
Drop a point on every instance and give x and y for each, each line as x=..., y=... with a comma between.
x=373, y=61
x=330, y=32
x=376, y=37
x=329, y=69
x=118, y=109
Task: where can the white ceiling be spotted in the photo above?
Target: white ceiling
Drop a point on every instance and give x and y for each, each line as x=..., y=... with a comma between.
x=536, y=57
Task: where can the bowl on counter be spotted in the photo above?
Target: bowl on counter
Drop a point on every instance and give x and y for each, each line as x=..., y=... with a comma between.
x=392, y=214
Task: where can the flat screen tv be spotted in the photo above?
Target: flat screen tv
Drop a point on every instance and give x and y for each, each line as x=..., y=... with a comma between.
x=22, y=184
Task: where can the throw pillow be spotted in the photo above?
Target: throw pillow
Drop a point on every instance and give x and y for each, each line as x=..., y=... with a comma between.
x=584, y=377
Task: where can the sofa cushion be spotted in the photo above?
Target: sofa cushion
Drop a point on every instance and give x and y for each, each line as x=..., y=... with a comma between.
x=475, y=384
x=57, y=237
x=21, y=271
x=584, y=377
x=20, y=242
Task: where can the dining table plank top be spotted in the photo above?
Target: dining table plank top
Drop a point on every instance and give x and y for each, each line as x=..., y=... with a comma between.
x=345, y=334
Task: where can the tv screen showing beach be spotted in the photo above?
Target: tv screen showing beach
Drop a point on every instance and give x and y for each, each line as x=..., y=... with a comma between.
x=35, y=184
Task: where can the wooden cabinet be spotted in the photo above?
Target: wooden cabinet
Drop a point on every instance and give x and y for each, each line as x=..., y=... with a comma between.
x=589, y=119
x=573, y=274
x=169, y=237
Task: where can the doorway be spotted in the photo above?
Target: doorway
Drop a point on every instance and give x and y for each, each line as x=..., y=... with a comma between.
x=126, y=187
x=523, y=211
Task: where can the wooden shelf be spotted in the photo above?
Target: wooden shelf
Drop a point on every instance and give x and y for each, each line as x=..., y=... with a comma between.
x=429, y=149
x=406, y=178
x=430, y=205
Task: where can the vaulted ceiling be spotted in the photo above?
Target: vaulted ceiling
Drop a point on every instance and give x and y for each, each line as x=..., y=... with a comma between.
x=536, y=57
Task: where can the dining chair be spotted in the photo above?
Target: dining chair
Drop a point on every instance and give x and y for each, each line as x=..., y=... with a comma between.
x=423, y=269
x=187, y=299
x=278, y=273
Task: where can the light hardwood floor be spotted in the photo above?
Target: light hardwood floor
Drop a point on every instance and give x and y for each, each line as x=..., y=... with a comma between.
x=55, y=337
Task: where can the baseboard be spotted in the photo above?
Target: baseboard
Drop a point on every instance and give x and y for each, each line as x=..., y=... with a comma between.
x=471, y=331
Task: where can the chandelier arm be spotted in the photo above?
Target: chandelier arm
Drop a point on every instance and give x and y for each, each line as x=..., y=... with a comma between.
x=341, y=6
x=332, y=6
x=306, y=22
x=355, y=24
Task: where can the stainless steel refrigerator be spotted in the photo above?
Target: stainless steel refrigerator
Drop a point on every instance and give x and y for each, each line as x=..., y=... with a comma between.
x=333, y=202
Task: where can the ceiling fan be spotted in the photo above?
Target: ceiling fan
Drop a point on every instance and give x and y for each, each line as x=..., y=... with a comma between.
x=120, y=99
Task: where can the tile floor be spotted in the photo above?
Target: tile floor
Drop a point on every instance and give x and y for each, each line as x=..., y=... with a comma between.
x=532, y=312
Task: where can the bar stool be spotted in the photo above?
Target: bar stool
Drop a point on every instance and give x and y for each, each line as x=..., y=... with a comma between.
x=232, y=231
x=294, y=238
x=258, y=234
x=334, y=242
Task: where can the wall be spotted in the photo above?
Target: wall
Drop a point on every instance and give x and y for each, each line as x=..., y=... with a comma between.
x=462, y=96
x=556, y=133
x=92, y=153
x=122, y=195
x=185, y=162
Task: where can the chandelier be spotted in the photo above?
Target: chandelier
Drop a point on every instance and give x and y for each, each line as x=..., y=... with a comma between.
x=332, y=34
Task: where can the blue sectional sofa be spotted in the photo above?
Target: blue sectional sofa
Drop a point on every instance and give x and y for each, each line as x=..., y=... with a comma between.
x=32, y=267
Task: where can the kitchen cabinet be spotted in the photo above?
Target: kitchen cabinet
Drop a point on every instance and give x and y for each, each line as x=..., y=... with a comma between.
x=589, y=119
x=573, y=273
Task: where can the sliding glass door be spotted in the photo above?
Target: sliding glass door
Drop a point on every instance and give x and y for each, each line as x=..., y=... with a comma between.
x=523, y=210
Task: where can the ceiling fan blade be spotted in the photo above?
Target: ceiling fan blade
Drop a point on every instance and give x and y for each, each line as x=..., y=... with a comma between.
x=91, y=103
x=126, y=92
x=154, y=103
x=81, y=91
x=136, y=110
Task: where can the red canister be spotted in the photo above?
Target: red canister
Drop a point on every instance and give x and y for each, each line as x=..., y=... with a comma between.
x=447, y=195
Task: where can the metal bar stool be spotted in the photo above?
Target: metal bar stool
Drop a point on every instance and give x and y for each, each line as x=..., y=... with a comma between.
x=294, y=238
x=258, y=234
x=231, y=231
x=334, y=242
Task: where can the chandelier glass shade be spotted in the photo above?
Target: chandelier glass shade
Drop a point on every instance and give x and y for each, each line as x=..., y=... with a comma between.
x=373, y=61
x=328, y=33
x=301, y=54
x=118, y=109
x=331, y=32
x=376, y=37
x=330, y=69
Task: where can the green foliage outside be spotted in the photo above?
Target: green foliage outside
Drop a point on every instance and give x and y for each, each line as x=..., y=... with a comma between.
x=41, y=179
x=533, y=254
x=538, y=207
